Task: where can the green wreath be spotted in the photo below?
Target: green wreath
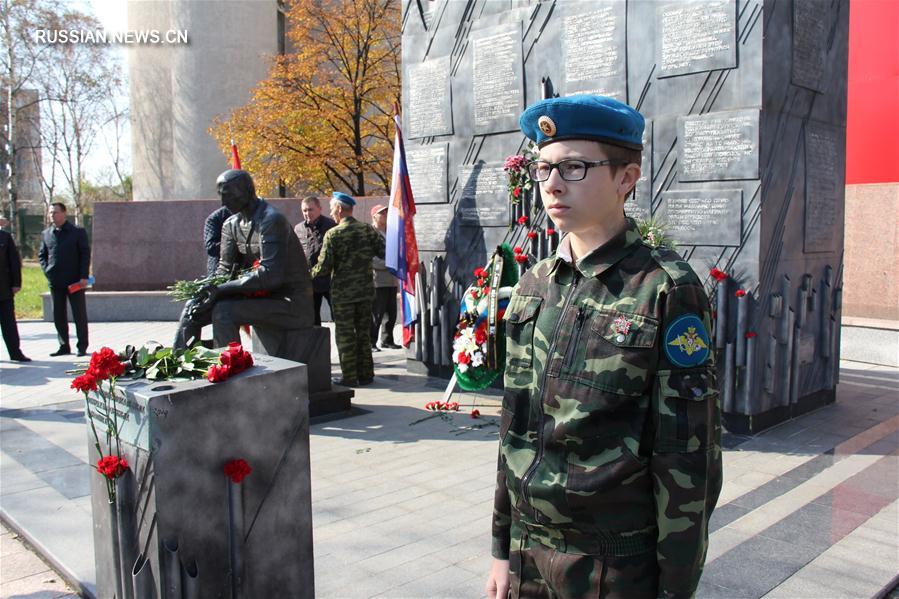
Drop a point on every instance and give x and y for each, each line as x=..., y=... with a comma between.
x=478, y=360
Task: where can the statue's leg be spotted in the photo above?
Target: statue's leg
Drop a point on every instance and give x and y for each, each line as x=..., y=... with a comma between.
x=190, y=329
x=276, y=313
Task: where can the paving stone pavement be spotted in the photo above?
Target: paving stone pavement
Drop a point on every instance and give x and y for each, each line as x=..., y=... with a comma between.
x=402, y=498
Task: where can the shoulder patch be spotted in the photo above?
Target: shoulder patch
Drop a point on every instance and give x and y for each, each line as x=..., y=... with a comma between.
x=687, y=342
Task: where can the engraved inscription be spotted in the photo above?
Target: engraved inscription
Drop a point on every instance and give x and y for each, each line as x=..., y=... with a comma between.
x=697, y=36
x=639, y=204
x=429, y=103
x=703, y=217
x=497, y=79
x=432, y=225
x=484, y=198
x=594, y=52
x=721, y=145
x=427, y=173
x=821, y=163
x=809, y=38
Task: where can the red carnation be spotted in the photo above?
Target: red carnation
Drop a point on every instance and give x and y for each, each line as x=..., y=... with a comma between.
x=750, y=334
x=482, y=282
x=105, y=364
x=521, y=258
x=516, y=192
x=517, y=250
x=480, y=334
x=532, y=234
x=550, y=231
x=480, y=273
x=463, y=358
x=718, y=275
x=217, y=373
x=86, y=382
x=237, y=470
x=739, y=293
x=475, y=413
x=112, y=466
x=522, y=220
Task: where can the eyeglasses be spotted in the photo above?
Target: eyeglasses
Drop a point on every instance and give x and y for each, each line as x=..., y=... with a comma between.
x=570, y=169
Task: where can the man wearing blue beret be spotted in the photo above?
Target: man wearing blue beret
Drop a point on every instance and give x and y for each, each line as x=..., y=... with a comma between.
x=609, y=460
x=346, y=255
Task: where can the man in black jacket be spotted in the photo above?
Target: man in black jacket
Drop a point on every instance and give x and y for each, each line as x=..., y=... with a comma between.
x=10, y=284
x=212, y=238
x=311, y=233
x=65, y=258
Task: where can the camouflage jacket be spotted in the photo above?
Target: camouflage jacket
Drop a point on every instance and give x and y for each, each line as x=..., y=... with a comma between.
x=610, y=428
x=346, y=253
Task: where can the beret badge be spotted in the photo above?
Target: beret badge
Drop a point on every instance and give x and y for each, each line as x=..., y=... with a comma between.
x=546, y=125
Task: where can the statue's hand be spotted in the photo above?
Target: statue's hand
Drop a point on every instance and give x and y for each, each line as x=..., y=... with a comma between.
x=204, y=301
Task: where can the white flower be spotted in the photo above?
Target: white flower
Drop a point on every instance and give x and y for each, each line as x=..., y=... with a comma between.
x=462, y=367
x=477, y=358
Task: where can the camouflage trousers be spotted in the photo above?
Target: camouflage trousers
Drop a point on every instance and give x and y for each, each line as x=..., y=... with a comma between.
x=540, y=572
x=352, y=332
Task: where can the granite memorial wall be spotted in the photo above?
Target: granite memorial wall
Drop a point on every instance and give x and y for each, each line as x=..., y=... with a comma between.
x=744, y=160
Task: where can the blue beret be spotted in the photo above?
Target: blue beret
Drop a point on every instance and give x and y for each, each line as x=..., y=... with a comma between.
x=591, y=117
x=343, y=198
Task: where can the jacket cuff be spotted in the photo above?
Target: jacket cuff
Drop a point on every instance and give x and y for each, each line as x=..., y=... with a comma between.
x=500, y=547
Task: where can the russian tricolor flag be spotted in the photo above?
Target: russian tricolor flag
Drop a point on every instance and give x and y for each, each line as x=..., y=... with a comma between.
x=402, y=249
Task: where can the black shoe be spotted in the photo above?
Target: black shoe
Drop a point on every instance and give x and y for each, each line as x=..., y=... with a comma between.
x=20, y=357
x=391, y=345
x=64, y=350
x=82, y=353
x=375, y=347
x=364, y=382
x=343, y=383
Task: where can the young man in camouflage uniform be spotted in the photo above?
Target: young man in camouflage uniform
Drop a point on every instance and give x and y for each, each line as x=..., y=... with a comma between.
x=346, y=253
x=610, y=460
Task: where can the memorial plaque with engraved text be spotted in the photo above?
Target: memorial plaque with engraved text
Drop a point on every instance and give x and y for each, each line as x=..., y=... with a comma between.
x=821, y=163
x=484, y=199
x=427, y=173
x=429, y=105
x=639, y=204
x=809, y=41
x=695, y=36
x=718, y=146
x=432, y=225
x=497, y=77
x=703, y=217
x=594, y=50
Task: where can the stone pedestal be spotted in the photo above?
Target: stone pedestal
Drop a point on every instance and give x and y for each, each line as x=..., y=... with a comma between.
x=177, y=437
x=311, y=347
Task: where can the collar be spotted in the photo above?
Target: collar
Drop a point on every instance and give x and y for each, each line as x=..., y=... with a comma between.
x=346, y=220
x=602, y=258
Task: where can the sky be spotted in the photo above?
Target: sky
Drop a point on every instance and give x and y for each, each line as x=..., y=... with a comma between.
x=112, y=14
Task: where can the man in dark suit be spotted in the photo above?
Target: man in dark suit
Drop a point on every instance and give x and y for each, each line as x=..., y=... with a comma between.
x=10, y=284
x=65, y=257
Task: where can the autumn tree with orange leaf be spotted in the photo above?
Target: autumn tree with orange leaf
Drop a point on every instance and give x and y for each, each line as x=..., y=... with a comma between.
x=322, y=119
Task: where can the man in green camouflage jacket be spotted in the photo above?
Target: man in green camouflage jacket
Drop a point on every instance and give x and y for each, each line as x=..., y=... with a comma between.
x=610, y=460
x=346, y=253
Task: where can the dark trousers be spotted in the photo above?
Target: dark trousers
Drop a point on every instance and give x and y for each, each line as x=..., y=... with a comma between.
x=61, y=317
x=229, y=313
x=9, y=328
x=384, y=304
x=317, y=297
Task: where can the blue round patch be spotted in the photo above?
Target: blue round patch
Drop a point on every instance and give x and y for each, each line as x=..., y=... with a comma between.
x=687, y=342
